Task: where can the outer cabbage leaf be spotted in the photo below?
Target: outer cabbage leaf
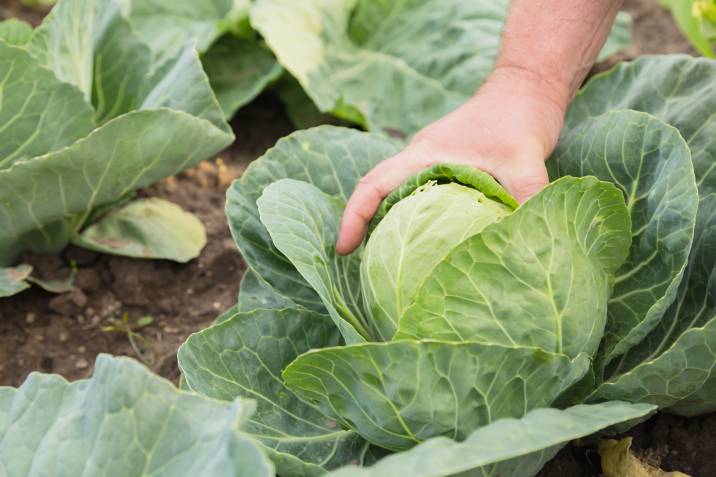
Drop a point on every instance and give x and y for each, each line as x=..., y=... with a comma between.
x=88, y=44
x=15, y=32
x=332, y=159
x=507, y=447
x=244, y=356
x=303, y=223
x=651, y=164
x=38, y=112
x=401, y=393
x=539, y=277
x=123, y=421
x=682, y=378
x=52, y=195
x=255, y=293
x=238, y=70
x=300, y=109
x=677, y=89
x=226, y=315
x=427, y=57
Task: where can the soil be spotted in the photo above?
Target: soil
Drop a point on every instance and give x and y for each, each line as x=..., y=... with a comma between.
x=64, y=333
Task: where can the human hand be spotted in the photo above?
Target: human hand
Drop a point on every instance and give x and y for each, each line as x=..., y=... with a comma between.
x=507, y=129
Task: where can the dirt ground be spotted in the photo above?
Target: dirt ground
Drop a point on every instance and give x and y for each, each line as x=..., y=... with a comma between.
x=64, y=333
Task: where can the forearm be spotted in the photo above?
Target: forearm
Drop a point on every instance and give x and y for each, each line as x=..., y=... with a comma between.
x=550, y=45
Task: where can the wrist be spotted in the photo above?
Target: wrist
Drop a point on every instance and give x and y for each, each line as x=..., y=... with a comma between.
x=532, y=85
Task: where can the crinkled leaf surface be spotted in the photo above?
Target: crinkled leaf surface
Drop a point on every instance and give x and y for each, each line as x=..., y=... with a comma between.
x=132, y=151
x=651, y=164
x=146, y=228
x=703, y=400
x=123, y=421
x=244, y=356
x=507, y=447
x=679, y=90
x=683, y=377
x=424, y=58
x=239, y=69
x=13, y=280
x=303, y=223
x=401, y=393
x=255, y=293
x=38, y=112
x=332, y=159
x=538, y=277
x=15, y=32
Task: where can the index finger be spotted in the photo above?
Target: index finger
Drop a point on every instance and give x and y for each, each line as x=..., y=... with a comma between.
x=367, y=196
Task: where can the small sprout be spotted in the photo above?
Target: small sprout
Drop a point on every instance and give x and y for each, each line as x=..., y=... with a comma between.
x=140, y=345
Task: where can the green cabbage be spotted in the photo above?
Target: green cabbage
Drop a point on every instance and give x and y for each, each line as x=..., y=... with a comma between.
x=415, y=235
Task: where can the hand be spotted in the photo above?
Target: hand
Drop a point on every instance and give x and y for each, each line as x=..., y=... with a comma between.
x=507, y=129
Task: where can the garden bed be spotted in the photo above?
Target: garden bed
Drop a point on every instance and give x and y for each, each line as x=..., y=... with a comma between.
x=64, y=333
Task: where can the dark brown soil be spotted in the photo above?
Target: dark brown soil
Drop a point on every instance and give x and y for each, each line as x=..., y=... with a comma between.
x=64, y=333
x=16, y=9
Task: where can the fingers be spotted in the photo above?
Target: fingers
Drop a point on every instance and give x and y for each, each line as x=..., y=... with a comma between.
x=367, y=196
x=525, y=179
x=522, y=178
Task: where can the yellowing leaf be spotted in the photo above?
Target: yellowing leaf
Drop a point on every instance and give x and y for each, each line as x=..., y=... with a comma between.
x=618, y=461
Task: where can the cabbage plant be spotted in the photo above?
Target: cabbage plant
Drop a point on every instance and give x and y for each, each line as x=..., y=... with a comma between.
x=464, y=311
x=88, y=116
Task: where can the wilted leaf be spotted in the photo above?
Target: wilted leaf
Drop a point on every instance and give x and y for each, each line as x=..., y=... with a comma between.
x=618, y=461
x=146, y=228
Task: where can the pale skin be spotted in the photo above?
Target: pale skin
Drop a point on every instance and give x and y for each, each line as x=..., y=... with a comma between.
x=512, y=124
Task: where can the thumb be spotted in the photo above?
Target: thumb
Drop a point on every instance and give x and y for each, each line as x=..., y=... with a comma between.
x=524, y=180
